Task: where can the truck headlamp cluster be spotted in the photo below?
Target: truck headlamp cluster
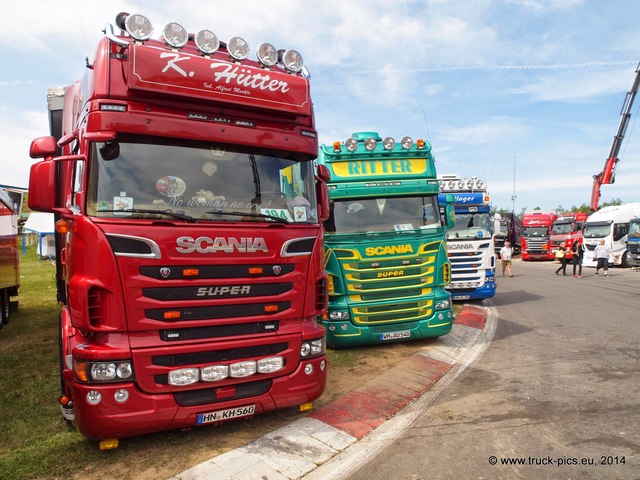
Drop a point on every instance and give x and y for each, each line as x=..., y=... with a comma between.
x=459, y=185
x=176, y=37
x=370, y=144
x=214, y=373
x=103, y=372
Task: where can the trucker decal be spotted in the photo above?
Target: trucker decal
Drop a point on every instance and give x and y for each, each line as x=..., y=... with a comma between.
x=389, y=250
x=221, y=244
x=158, y=70
x=357, y=168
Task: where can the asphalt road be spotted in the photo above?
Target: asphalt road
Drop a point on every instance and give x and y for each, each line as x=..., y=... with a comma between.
x=556, y=395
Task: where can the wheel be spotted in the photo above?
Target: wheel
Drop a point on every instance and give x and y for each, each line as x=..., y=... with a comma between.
x=624, y=262
x=5, y=307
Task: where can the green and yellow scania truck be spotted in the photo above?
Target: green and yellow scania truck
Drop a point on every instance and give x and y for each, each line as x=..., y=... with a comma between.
x=385, y=250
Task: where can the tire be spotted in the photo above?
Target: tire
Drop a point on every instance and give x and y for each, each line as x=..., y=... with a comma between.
x=5, y=307
x=624, y=262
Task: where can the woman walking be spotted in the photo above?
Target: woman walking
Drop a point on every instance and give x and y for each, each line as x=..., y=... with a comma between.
x=561, y=255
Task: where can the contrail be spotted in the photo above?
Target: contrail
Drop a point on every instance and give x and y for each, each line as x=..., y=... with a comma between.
x=557, y=66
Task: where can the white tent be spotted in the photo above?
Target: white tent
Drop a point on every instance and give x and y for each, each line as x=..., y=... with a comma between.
x=42, y=224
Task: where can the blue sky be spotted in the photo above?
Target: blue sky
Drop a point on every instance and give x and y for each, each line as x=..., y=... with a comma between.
x=496, y=86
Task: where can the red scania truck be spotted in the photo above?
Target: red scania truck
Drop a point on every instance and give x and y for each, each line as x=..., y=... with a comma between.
x=189, y=244
x=536, y=235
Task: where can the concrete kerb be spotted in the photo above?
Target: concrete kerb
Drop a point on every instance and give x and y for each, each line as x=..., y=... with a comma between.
x=296, y=450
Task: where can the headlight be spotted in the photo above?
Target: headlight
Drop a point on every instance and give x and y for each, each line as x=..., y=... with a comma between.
x=388, y=143
x=139, y=27
x=267, y=55
x=175, y=35
x=333, y=315
x=207, y=42
x=184, y=376
x=443, y=304
x=351, y=144
x=103, y=372
x=312, y=348
x=237, y=48
x=370, y=143
x=292, y=61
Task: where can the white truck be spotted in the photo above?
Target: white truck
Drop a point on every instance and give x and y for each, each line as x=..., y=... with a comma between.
x=611, y=224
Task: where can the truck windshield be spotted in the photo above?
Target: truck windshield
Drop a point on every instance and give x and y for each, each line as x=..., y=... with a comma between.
x=383, y=214
x=634, y=229
x=142, y=177
x=470, y=226
x=561, y=228
x=535, y=231
x=595, y=230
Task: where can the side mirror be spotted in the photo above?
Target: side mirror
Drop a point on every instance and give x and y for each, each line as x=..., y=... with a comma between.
x=450, y=215
x=43, y=147
x=323, y=175
x=42, y=186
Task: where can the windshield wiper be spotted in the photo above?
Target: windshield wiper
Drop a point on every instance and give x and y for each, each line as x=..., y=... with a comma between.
x=252, y=214
x=169, y=213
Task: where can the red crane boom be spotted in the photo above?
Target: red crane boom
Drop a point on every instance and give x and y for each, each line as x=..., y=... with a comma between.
x=607, y=175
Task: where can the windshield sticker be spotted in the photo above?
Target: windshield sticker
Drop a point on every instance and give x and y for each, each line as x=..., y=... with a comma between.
x=277, y=212
x=122, y=202
x=171, y=186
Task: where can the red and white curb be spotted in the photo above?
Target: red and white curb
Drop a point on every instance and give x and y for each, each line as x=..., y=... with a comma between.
x=296, y=450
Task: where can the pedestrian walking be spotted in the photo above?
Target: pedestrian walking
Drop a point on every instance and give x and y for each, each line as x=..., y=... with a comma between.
x=506, y=253
x=577, y=253
x=561, y=255
x=601, y=255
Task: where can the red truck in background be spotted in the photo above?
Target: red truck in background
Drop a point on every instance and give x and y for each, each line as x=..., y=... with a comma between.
x=189, y=240
x=536, y=235
x=9, y=254
x=567, y=229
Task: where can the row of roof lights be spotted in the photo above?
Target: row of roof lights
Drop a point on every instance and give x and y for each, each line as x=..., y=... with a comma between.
x=370, y=144
x=460, y=184
x=175, y=36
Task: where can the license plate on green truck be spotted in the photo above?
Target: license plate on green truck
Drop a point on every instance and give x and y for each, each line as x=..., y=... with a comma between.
x=395, y=335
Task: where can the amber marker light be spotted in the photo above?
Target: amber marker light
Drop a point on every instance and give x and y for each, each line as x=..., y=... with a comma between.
x=62, y=226
x=255, y=270
x=172, y=315
x=420, y=143
x=270, y=308
x=190, y=272
x=336, y=147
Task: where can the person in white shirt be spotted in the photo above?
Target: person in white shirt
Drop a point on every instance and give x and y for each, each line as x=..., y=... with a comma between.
x=602, y=254
x=505, y=255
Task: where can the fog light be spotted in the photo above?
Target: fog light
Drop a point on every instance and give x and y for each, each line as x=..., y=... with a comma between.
x=214, y=373
x=184, y=376
x=308, y=369
x=94, y=397
x=344, y=327
x=271, y=364
x=121, y=395
x=242, y=369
